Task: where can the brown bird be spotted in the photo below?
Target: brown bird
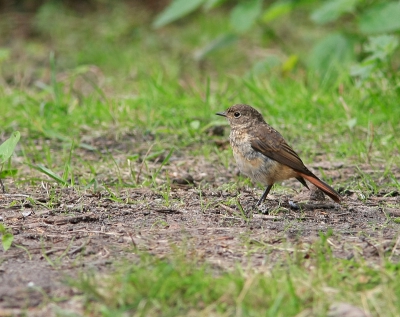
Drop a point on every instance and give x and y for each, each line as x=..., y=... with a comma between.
x=262, y=154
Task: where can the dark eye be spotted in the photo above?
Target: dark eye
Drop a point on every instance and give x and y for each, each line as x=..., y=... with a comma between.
x=236, y=114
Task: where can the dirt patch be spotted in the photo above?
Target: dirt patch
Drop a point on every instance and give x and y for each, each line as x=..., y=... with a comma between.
x=61, y=231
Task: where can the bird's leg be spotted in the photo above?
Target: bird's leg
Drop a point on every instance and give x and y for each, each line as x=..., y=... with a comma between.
x=264, y=195
x=2, y=186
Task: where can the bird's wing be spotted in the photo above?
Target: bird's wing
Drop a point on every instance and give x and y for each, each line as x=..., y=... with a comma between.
x=270, y=143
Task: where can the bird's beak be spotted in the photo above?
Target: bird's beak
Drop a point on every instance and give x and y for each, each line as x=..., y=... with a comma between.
x=222, y=114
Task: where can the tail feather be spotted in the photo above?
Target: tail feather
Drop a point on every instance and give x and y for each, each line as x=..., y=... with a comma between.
x=322, y=186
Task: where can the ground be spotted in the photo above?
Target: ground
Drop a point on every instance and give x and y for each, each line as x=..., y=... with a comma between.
x=60, y=232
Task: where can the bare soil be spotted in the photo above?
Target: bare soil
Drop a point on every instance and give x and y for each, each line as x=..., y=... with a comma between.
x=60, y=232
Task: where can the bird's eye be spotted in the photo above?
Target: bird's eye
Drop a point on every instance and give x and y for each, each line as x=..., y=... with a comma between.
x=237, y=114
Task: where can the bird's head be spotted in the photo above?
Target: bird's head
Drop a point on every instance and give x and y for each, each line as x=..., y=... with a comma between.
x=239, y=115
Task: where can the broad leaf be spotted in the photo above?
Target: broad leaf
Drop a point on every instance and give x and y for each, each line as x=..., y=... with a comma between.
x=331, y=53
x=210, y=4
x=6, y=240
x=332, y=10
x=384, y=17
x=290, y=63
x=7, y=148
x=220, y=42
x=176, y=10
x=265, y=65
x=245, y=14
x=276, y=10
x=382, y=46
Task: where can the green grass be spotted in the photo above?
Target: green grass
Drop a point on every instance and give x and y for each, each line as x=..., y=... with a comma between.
x=108, y=75
x=308, y=280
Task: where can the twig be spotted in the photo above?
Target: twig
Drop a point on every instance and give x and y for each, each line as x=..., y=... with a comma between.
x=317, y=206
x=54, y=250
x=342, y=214
x=96, y=231
x=394, y=248
x=228, y=209
x=168, y=210
x=266, y=217
x=15, y=195
x=77, y=249
x=76, y=219
x=106, y=254
x=345, y=107
x=133, y=241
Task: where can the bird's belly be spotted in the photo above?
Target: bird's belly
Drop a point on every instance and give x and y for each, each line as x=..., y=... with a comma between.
x=261, y=168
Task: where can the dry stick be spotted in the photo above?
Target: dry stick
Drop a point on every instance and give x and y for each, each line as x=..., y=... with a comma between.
x=100, y=232
x=228, y=209
x=54, y=250
x=106, y=254
x=168, y=210
x=246, y=287
x=266, y=217
x=77, y=249
x=133, y=241
x=143, y=161
x=76, y=219
x=345, y=107
x=394, y=248
x=16, y=195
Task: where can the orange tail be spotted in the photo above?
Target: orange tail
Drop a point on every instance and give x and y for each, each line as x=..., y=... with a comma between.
x=322, y=186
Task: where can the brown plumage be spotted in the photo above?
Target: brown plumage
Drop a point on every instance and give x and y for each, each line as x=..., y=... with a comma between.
x=263, y=154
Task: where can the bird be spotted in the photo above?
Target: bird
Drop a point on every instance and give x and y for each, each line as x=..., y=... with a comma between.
x=263, y=155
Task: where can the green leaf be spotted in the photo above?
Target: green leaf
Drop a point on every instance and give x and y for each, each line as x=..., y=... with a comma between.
x=8, y=146
x=382, y=46
x=220, y=42
x=51, y=174
x=210, y=4
x=6, y=240
x=383, y=17
x=332, y=10
x=362, y=70
x=276, y=10
x=332, y=53
x=290, y=63
x=245, y=14
x=176, y=10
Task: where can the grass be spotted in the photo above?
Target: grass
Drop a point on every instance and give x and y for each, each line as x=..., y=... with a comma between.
x=108, y=77
x=307, y=281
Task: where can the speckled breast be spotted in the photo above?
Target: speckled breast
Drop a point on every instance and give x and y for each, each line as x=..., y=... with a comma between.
x=251, y=163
